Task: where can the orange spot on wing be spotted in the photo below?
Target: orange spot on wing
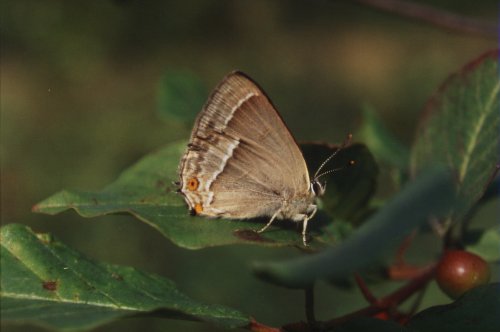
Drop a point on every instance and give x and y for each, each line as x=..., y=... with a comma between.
x=198, y=208
x=193, y=184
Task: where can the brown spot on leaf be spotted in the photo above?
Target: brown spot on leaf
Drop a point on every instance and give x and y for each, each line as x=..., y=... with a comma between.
x=250, y=235
x=116, y=276
x=50, y=285
x=160, y=183
x=96, y=202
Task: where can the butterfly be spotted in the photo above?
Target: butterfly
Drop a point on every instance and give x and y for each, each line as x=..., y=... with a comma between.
x=242, y=161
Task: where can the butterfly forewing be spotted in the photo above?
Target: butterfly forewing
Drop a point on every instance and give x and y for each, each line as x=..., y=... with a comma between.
x=242, y=160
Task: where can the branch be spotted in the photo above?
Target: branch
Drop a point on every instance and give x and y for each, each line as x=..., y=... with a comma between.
x=391, y=300
x=309, y=293
x=386, y=303
x=367, y=294
x=435, y=16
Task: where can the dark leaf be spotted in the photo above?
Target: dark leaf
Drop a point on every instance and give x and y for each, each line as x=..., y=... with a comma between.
x=476, y=310
x=351, y=186
x=370, y=324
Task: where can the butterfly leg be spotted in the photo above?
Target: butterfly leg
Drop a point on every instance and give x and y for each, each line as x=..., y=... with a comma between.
x=270, y=222
x=304, y=225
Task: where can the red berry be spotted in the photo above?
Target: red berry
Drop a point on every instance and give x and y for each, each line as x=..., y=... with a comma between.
x=458, y=271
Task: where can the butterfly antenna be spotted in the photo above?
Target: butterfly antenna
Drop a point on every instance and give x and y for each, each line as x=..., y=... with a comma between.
x=344, y=144
x=328, y=172
x=351, y=162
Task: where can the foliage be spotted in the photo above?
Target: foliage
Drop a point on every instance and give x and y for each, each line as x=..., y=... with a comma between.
x=452, y=162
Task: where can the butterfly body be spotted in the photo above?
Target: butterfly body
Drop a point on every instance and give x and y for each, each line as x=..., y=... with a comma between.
x=242, y=162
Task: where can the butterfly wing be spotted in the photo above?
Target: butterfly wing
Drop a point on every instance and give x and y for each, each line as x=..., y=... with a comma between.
x=242, y=161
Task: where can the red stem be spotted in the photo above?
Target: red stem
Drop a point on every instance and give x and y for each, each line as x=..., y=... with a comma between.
x=258, y=327
x=391, y=300
x=367, y=294
x=403, y=248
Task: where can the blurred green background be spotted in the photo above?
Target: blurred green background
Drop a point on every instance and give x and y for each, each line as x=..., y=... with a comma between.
x=80, y=98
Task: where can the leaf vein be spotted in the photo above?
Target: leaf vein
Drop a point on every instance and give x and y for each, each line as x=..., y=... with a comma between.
x=476, y=130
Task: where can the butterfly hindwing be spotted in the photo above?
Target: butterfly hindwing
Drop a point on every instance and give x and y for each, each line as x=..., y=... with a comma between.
x=242, y=160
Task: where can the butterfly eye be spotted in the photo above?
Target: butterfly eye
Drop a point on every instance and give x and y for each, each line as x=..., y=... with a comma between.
x=317, y=188
x=192, y=184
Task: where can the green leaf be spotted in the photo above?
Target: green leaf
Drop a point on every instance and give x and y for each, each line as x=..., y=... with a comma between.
x=488, y=246
x=382, y=143
x=476, y=310
x=145, y=190
x=350, y=188
x=460, y=128
x=431, y=194
x=44, y=282
x=181, y=95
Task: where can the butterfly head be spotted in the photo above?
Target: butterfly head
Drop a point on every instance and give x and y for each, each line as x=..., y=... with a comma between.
x=318, y=188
